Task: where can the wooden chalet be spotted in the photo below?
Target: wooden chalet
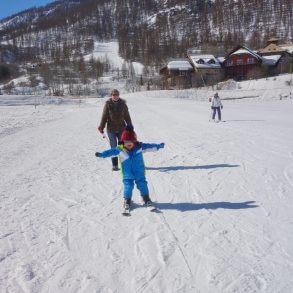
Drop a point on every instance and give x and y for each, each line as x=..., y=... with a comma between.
x=285, y=52
x=242, y=63
x=177, y=74
x=207, y=68
x=274, y=48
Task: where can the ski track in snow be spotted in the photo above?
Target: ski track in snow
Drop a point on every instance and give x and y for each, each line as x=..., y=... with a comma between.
x=223, y=189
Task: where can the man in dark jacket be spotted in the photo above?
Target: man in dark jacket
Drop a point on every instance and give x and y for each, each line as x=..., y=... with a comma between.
x=116, y=117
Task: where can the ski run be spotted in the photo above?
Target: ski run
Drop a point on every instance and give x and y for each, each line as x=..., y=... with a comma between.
x=224, y=192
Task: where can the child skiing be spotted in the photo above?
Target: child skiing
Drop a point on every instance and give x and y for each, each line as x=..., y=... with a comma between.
x=130, y=156
x=216, y=106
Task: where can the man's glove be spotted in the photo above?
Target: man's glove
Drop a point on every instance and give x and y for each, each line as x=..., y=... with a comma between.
x=222, y=107
x=161, y=145
x=101, y=130
x=98, y=155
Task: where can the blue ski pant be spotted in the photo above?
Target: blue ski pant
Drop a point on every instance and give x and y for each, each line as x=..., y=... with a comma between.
x=217, y=109
x=141, y=185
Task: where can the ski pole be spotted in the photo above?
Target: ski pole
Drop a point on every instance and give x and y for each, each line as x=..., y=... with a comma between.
x=211, y=115
x=105, y=137
x=103, y=134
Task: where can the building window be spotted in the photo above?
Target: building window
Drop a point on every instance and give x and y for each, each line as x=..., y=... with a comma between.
x=200, y=61
x=182, y=73
x=212, y=61
x=229, y=62
x=250, y=61
x=239, y=62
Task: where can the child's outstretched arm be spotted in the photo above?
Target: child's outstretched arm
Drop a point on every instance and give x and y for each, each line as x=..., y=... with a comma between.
x=152, y=147
x=109, y=153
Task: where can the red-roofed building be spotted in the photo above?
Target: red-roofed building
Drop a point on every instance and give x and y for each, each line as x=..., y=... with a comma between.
x=242, y=63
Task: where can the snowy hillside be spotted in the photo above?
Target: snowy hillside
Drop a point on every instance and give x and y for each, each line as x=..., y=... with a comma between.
x=110, y=50
x=106, y=52
x=149, y=31
x=224, y=191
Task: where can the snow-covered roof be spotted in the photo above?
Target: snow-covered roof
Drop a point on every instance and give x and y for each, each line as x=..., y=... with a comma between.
x=271, y=60
x=241, y=51
x=221, y=59
x=246, y=51
x=179, y=64
x=204, y=61
x=288, y=48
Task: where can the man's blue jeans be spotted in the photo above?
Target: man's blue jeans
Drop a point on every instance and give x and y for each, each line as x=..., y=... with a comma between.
x=113, y=139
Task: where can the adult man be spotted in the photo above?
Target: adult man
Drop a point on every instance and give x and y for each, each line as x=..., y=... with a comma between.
x=116, y=117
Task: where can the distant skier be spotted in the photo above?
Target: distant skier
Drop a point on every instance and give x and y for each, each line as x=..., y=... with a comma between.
x=216, y=106
x=130, y=155
x=116, y=116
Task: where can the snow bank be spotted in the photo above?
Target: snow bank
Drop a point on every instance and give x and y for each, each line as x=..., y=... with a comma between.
x=19, y=100
x=230, y=84
x=266, y=89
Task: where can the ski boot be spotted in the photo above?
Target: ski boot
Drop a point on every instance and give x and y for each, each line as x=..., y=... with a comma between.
x=127, y=203
x=126, y=207
x=147, y=201
x=149, y=204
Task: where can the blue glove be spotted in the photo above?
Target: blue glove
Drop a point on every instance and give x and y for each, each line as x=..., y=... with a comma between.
x=97, y=154
x=161, y=145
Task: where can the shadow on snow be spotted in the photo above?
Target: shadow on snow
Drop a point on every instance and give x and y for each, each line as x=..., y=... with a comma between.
x=178, y=168
x=243, y=120
x=186, y=206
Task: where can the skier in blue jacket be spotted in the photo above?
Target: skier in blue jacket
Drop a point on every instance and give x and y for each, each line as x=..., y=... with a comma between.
x=130, y=153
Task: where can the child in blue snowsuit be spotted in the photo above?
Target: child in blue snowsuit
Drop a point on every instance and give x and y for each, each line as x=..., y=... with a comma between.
x=130, y=156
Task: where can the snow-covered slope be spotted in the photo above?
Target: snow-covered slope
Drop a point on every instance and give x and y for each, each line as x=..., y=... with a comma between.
x=224, y=191
x=109, y=51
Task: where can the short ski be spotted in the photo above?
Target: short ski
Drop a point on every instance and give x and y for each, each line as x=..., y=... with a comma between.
x=152, y=208
x=126, y=212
